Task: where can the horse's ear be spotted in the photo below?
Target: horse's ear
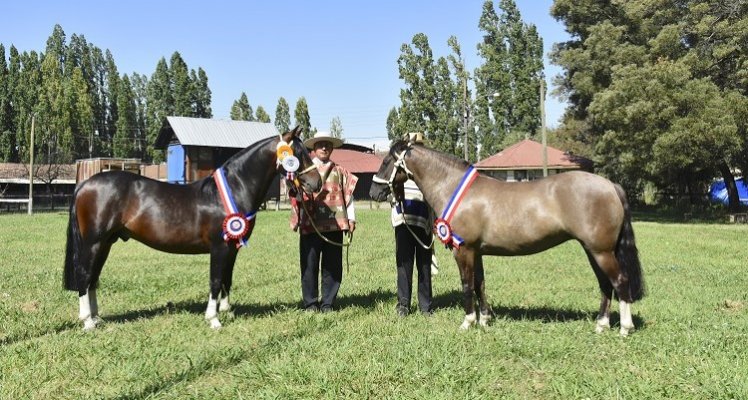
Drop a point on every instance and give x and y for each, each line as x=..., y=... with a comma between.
x=296, y=131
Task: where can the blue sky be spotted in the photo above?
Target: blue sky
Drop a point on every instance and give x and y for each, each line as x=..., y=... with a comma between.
x=340, y=55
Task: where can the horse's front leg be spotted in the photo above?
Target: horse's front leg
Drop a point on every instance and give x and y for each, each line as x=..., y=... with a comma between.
x=480, y=290
x=465, y=261
x=218, y=257
x=224, y=306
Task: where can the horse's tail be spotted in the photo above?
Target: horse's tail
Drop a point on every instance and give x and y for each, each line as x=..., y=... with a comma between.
x=626, y=252
x=72, y=250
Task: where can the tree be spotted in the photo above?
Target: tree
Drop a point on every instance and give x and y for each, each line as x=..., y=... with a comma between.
x=301, y=116
x=111, y=101
x=416, y=67
x=202, y=95
x=241, y=110
x=181, y=86
x=507, y=105
x=336, y=128
x=282, y=116
x=126, y=143
x=160, y=102
x=262, y=115
x=7, y=140
x=140, y=93
x=645, y=80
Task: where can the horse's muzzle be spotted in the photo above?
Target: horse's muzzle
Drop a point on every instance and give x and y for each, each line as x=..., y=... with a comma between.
x=379, y=191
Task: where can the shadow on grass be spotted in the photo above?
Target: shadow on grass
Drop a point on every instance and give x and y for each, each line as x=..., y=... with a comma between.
x=542, y=314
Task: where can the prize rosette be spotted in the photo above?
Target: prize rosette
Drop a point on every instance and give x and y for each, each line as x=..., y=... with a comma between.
x=235, y=226
x=283, y=150
x=290, y=163
x=443, y=231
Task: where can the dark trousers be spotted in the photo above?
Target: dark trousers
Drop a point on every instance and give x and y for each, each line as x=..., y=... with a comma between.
x=408, y=250
x=312, y=250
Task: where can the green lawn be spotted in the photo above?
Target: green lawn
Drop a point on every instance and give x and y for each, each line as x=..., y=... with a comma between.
x=690, y=343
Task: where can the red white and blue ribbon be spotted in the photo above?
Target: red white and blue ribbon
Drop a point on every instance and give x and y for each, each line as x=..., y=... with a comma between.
x=235, y=226
x=441, y=225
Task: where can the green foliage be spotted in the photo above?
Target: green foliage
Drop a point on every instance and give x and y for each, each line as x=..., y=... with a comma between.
x=336, y=128
x=154, y=343
x=657, y=87
x=241, y=110
x=282, y=116
x=301, y=118
x=127, y=140
x=262, y=115
x=507, y=104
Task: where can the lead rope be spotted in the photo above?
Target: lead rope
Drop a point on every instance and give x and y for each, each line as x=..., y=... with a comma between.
x=346, y=244
x=420, y=243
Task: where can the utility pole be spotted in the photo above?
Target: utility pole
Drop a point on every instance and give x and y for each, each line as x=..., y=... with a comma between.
x=31, y=168
x=542, y=127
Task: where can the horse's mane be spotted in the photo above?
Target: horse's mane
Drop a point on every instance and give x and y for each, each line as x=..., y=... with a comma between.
x=441, y=159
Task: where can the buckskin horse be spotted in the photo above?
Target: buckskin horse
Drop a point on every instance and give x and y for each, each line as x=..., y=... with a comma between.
x=485, y=216
x=183, y=219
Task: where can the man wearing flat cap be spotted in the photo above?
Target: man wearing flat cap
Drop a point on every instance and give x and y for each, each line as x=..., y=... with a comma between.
x=332, y=212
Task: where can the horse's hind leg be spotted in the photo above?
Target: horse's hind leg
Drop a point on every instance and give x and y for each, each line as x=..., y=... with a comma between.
x=465, y=261
x=87, y=275
x=608, y=264
x=480, y=292
x=606, y=293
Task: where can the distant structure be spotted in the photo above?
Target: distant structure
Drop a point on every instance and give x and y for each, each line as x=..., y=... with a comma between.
x=523, y=161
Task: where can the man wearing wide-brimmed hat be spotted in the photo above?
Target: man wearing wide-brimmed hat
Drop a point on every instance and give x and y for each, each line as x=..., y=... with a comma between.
x=416, y=213
x=332, y=213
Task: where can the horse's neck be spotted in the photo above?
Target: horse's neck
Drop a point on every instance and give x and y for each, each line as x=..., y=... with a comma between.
x=250, y=178
x=436, y=176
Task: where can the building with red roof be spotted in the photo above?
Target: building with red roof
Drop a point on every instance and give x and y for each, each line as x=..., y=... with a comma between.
x=523, y=161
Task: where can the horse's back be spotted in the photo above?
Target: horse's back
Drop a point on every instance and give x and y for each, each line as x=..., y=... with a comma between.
x=127, y=205
x=529, y=217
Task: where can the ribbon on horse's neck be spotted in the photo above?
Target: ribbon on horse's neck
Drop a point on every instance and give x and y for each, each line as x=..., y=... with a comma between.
x=235, y=226
x=442, y=225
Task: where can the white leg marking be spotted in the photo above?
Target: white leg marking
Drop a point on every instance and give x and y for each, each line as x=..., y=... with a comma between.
x=94, y=304
x=84, y=313
x=211, y=313
x=485, y=319
x=602, y=325
x=468, y=321
x=627, y=323
x=224, y=305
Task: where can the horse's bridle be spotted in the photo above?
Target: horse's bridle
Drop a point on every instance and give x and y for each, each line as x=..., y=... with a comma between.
x=399, y=165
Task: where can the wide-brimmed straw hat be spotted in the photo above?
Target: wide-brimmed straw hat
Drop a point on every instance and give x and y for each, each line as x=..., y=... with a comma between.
x=415, y=137
x=322, y=136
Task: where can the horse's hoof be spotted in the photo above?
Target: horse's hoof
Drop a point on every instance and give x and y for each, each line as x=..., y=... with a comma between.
x=465, y=326
x=625, y=331
x=485, y=319
x=89, y=324
x=215, y=324
x=600, y=329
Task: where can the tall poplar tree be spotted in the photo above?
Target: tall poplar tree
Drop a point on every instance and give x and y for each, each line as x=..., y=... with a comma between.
x=301, y=117
x=181, y=86
x=111, y=99
x=160, y=102
x=507, y=84
x=201, y=95
x=336, y=128
x=241, y=110
x=126, y=143
x=7, y=141
x=262, y=115
x=282, y=116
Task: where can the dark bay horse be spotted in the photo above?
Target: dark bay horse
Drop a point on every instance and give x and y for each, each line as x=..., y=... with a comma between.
x=183, y=219
x=520, y=218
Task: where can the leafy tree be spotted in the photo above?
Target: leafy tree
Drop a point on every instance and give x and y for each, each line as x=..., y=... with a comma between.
x=201, y=95
x=282, y=116
x=241, y=110
x=395, y=129
x=336, y=128
x=140, y=93
x=126, y=142
x=301, y=116
x=82, y=114
x=416, y=67
x=181, y=86
x=645, y=81
x=507, y=105
x=111, y=98
x=160, y=102
x=262, y=115
x=7, y=140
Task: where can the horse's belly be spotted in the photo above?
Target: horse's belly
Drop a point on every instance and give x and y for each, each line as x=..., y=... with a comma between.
x=520, y=245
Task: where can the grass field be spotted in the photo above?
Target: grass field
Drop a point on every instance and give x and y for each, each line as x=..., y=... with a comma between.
x=691, y=340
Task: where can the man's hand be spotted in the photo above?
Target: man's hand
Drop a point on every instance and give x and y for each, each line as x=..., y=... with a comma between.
x=352, y=226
